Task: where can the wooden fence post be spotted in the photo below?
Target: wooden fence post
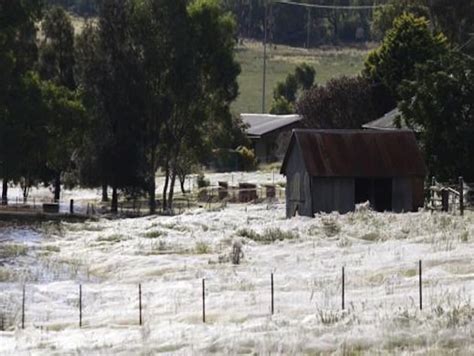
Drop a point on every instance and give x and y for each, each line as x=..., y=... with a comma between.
x=272, y=292
x=343, y=286
x=420, y=282
x=23, y=309
x=461, y=196
x=203, y=300
x=140, y=302
x=433, y=183
x=80, y=305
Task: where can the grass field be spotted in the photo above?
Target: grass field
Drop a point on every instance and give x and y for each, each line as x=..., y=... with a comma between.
x=282, y=60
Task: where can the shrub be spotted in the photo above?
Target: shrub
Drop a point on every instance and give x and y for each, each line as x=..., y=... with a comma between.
x=111, y=238
x=248, y=162
x=269, y=235
x=202, y=182
x=154, y=234
x=202, y=248
x=276, y=234
x=331, y=227
x=248, y=233
x=12, y=250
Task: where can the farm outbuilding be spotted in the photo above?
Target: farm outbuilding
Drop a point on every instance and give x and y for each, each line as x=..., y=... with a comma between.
x=393, y=120
x=268, y=132
x=333, y=170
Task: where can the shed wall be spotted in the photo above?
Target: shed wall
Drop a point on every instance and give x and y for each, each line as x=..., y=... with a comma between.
x=332, y=194
x=418, y=190
x=402, y=195
x=298, y=186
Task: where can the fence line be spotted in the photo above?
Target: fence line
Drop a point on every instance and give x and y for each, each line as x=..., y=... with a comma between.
x=4, y=320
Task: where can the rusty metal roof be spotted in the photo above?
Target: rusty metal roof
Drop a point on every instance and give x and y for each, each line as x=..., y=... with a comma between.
x=358, y=153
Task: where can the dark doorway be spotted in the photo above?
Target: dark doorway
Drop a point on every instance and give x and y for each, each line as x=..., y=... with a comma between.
x=362, y=190
x=382, y=194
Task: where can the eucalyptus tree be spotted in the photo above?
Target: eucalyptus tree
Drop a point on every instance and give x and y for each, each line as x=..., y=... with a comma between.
x=56, y=64
x=112, y=80
x=18, y=54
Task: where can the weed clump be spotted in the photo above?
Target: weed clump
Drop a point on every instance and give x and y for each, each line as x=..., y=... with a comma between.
x=12, y=250
x=331, y=227
x=248, y=233
x=371, y=236
x=154, y=234
x=114, y=238
x=330, y=317
x=202, y=248
x=268, y=236
x=5, y=275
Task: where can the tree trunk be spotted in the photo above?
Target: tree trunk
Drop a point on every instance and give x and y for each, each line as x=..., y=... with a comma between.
x=182, y=181
x=171, y=193
x=114, y=205
x=4, y=192
x=165, y=187
x=152, y=184
x=152, y=195
x=57, y=187
x=105, y=195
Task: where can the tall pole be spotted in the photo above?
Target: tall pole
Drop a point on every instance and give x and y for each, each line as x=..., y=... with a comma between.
x=264, y=59
x=308, y=27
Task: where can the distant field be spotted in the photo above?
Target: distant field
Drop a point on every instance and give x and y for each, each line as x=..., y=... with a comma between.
x=282, y=60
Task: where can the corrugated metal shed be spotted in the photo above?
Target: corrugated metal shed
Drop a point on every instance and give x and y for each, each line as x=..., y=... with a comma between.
x=261, y=124
x=358, y=153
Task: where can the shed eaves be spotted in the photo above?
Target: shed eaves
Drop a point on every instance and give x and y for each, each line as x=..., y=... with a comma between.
x=261, y=124
x=358, y=153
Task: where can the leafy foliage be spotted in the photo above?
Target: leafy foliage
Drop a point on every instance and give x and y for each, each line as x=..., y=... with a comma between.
x=440, y=100
x=248, y=161
x=408, y=43
x=343, y=103
x=286, y=92
x=384, y=16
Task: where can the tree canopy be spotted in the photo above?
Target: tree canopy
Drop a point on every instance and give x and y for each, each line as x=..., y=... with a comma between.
x=408, y=43
x=439, y=99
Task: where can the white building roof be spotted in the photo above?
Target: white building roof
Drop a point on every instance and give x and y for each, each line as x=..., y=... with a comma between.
x=261, y=124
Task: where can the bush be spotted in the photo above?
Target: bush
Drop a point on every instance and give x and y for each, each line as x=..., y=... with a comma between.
x=154, y=234
x=202, y=248
x=202, y=182
x=269, y=235
x=248, y=162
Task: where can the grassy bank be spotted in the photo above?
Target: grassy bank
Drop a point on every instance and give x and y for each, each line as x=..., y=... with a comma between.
x=329, y=63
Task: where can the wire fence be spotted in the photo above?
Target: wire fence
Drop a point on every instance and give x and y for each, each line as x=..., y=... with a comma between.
x=210, y=197
x=80, y=298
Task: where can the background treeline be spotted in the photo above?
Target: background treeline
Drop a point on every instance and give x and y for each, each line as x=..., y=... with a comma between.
x=300, y=26
x=84, y=8
x=145, y=86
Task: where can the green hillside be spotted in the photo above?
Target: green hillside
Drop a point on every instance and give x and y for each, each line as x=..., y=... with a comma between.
x=281, y=60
